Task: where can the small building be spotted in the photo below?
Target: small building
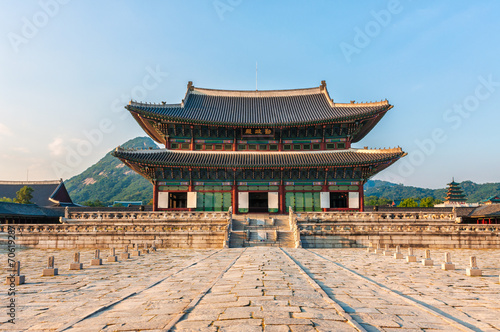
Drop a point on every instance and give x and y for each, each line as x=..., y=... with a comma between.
x=45, y=193
x=491, y=200
x=258, y=151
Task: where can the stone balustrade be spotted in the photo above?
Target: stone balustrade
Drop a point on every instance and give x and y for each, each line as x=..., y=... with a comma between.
x=138, y=216
x=356, y=228
x=374, y=217
x=112, y=228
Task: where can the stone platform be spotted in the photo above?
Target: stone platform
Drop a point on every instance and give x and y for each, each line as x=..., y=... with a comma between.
x=256, y=289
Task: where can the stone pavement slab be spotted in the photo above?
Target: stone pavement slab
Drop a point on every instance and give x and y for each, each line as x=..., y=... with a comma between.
x=256, y=289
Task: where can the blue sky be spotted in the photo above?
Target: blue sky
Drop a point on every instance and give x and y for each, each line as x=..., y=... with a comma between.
x=68, y=67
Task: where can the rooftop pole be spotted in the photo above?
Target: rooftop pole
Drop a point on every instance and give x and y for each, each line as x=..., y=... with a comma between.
x=256, y=76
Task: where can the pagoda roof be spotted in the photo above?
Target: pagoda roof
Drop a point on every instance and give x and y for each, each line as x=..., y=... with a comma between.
x=273, y=108
x=237, y=159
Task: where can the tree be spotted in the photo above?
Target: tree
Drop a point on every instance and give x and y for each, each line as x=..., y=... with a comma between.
x=430, y=202
x=24, y=195
x=408, y=202
x=94, y=203
x=377, y=201
x=6, y=199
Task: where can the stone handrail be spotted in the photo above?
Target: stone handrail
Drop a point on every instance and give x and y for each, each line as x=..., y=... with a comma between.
x=142, y=216
x=111, y=228
x=350, y=228
x=374, y=216
x=293, y=227
x=229, y=227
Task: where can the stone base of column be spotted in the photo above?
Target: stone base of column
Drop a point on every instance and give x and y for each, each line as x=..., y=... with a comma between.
x=136, y=253
x=411, y=259
x=50, y=272
x=473, y=272
x=112, y=259
x=398, y=255
x=448, y=266
x=96, y=261
x=17, y=280
x=427, y=262
x=75, y=266
x=124, y=255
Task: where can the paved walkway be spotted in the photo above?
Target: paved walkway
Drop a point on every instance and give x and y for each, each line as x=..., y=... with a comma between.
x=256, y=289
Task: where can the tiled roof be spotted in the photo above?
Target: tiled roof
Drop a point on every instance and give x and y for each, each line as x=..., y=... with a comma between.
x=32, y=210
x=492, y=210
x=257, y=159
x=45, y=193
x=259, y=108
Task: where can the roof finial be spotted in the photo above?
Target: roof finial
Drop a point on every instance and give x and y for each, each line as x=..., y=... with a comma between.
x=323, y=85
x=190, y=86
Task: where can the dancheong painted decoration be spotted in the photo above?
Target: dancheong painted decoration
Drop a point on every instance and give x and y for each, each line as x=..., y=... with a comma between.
x=258, y=151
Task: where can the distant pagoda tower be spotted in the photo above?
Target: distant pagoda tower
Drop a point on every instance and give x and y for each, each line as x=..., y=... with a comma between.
x=455, y=194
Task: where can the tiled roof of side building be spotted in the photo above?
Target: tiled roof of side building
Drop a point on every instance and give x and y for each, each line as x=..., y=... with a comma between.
x=258, y=159
x=259, y=108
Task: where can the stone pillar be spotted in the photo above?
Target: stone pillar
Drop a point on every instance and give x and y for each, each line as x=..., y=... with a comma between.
x=427, y=261
x=136, y=252
x=76, y=265
x=97, y=259
x=411, y=258
x=112, y=256
x=398, y=254
x=379, y=249
x=50, y=270
x=387, y=252
x=153, y=247
x=447, y=265
x=473, y=270
x=15, y=277
x=370, y=247
x=125, y=254
x=146, y=250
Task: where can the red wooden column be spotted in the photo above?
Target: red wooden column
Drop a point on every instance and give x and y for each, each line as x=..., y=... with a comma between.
x=155, y=197
x=191, y=187
x=361, y=198
x=235, y=193
x=191, y=147
x=282, y=208
x=324, y=188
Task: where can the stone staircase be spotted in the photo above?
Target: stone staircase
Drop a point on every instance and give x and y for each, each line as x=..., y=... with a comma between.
x=260, y=230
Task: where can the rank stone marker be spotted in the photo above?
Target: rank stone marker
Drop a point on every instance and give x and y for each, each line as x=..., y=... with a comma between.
x=112, y=255
x=387, y=252
x=427, y=261
x=398, y=254
x=447, y=265
x=50, y=270
x=370, y=247
x=136, y=252
x=379, y=249
x=16, y=276
x=125, y=254
x=473, y=271
x=76, y=265
x=411, y=258
x=97, y=259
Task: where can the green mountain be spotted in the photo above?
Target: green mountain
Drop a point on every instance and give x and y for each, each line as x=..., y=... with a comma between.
x=474, y=192
x=111, y=180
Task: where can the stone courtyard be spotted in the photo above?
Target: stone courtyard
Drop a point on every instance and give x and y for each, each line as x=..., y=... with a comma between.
x=256, y=289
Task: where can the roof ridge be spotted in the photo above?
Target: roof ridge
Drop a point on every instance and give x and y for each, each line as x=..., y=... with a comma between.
x=32, y=182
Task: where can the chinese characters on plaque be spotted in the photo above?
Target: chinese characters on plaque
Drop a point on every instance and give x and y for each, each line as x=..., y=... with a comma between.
x=258, y=132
